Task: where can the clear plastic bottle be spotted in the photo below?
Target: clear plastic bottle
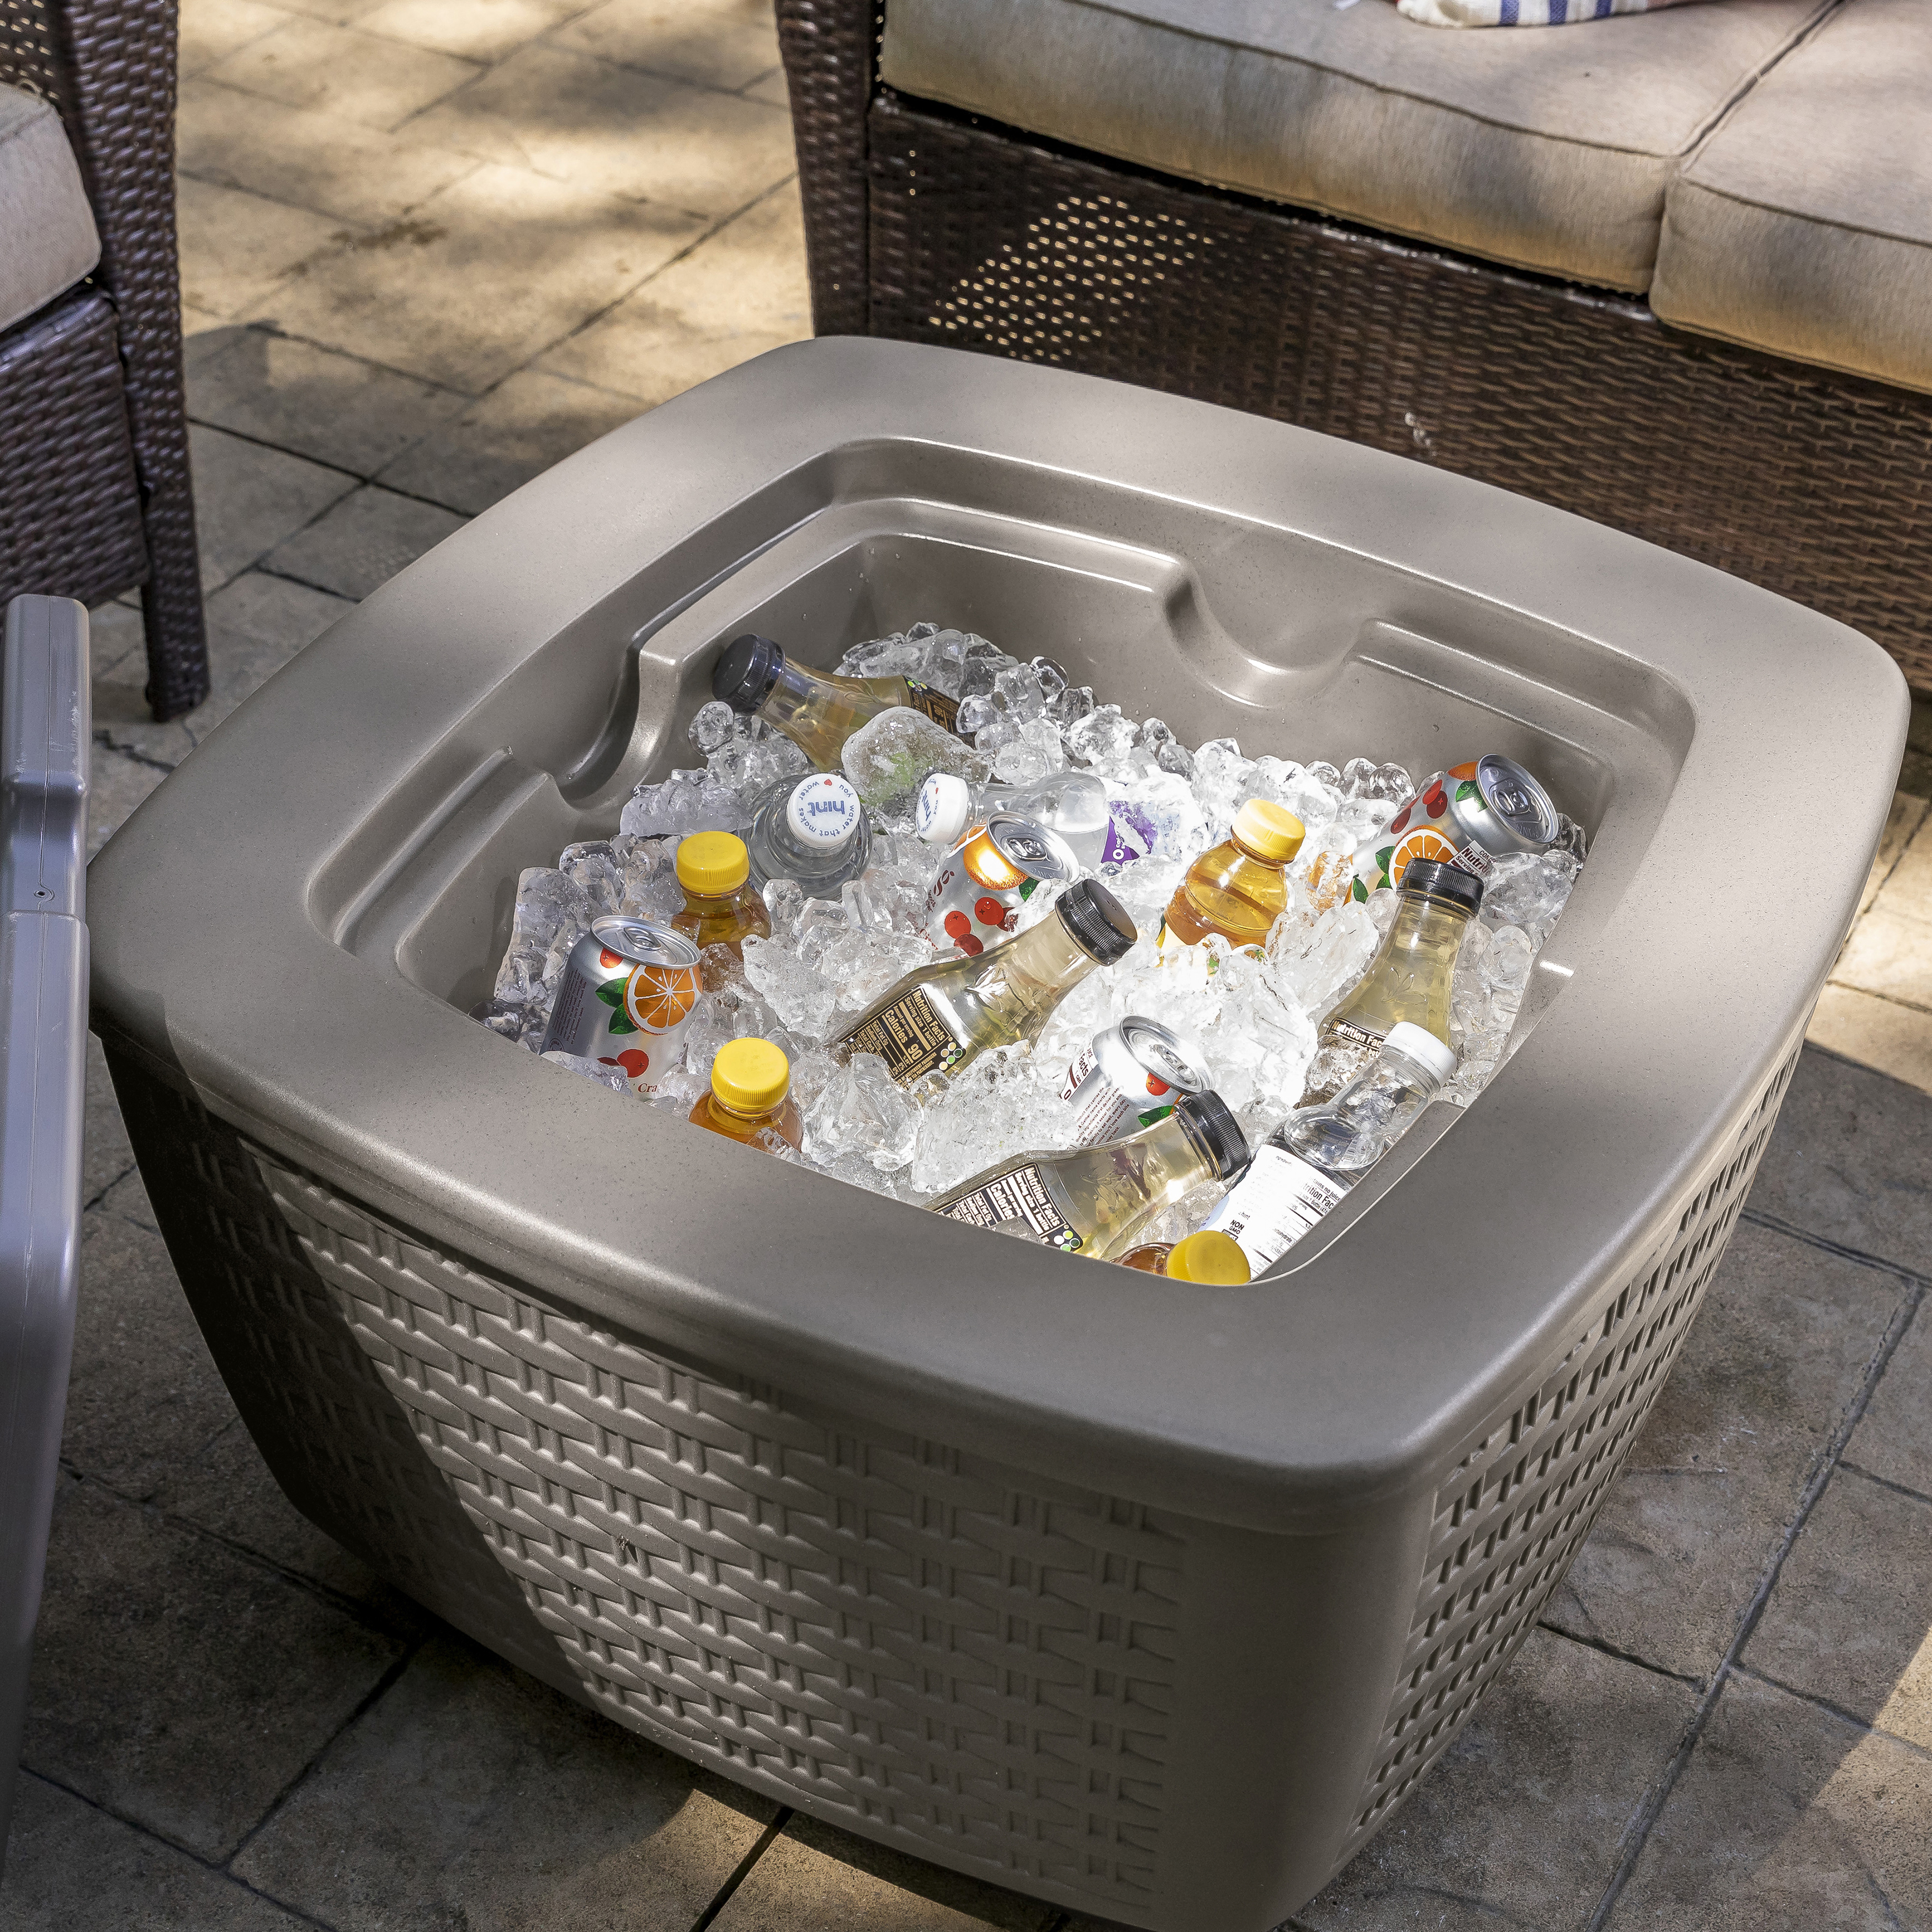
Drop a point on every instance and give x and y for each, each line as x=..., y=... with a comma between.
x=1207, y=1256
x=1410, y=979
x=1074, y=805
x=810, y=830
x=940, y=1018
x=1238, y=888
x=751, y=1095
x=1094, y=1200
x=816, y=710
x=720, y=907
x=1318, y=1154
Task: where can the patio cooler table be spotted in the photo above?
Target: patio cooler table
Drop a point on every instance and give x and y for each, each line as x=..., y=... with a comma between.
x=1156, y=1604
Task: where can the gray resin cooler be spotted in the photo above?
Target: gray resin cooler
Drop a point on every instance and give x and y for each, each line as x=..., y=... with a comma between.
x=1154, y=1604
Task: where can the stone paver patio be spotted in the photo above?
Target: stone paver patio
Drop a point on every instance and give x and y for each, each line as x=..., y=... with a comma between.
x=429, y=246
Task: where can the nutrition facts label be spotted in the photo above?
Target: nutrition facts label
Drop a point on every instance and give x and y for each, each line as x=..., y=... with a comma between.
x=909, y=1036
x=1273, y=1204
x=1019, y=1195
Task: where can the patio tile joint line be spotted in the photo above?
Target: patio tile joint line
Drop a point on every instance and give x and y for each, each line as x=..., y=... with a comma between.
x=743, y=1869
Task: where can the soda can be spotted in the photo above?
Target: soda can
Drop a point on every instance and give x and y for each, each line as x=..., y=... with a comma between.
x=1470, y=816
x=976, y=895
x=624, y=999
x=1129, y=1077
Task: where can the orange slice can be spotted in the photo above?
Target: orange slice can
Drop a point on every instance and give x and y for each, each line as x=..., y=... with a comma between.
x=625, y=998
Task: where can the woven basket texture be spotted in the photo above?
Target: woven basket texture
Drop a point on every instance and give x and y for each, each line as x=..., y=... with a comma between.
x=108, y=67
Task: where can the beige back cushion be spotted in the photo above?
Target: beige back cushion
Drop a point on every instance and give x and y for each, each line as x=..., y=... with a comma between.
x=1805, y=225
x=48, y=241
x=1548, y=151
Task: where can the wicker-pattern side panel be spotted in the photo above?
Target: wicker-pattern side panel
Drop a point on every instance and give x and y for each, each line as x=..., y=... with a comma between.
x=1815, y=485
x=337, y=1442
x=974, y=1660
x=70, y=507
x=1518, y=1505
x=108, y=66
x=831, y=49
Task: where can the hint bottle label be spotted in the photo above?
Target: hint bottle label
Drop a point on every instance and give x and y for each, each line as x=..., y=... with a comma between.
x=1019, y=1194
x=1273, y=1204
x=943, y=710
x=911, y=1036
x=1130, y=834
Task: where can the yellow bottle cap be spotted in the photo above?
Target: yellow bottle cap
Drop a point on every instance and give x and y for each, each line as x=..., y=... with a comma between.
x=751, y=1076
x=1210, y=1257
x=713, y=863
x=1268, y=830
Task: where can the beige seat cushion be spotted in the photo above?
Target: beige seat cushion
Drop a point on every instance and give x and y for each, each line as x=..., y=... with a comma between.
x=1805, y=225
x=48, y=240
x=1549, y=151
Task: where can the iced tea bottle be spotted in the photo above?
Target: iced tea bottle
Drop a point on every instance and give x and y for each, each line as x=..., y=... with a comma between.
x=1208, y=1256
x=1410, y=979
x=750, y=1094
x=720, y=907
x=817, y=710
x=1094, y=1200
x=1238, y=888
x=940, y=1018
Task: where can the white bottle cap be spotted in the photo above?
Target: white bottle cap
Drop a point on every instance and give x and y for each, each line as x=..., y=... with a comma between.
x=823, y=812
x=1422, y=1046
x=945, y=800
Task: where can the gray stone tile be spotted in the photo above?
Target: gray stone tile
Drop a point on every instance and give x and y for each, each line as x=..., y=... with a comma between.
x=812, y=1875
x=247, y=498
x=1877, y=1033
x=114, y=633
x=178, y=1683
x=1894, y=1437
x=1852, y=1160
x=470, y=1796
x=123, y=720
x=117, y=783
x=1780, y=1349
x=1889, y=954
x=106, y=1154
x=516, y=432
x=772, y=89
x=739, y=292
x=363, y=541
x=211, y=30
x=1901, y=822
x=340, y=71
x=477, y=30
x=336, y=409
x=1787, y=1819
x=255, y=626
x=1522, y=1822
x=334, y=167
x=617, y=131
x=143, y=1397
x=494, y=268
x=727, y=43
x=1849, y=1621
x=236, y=246
x=70, y=1868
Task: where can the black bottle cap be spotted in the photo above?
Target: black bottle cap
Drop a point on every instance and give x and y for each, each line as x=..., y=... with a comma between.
x=1097, y=920
x=1449, y=883
x=1214, y=1130
x=746, y=672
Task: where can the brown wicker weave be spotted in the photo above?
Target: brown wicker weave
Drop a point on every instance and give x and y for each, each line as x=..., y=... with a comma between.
x=926, y=225
x=94, y=496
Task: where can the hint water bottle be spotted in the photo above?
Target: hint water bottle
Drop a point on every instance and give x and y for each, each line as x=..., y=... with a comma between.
x=1073, y=804
x=812, y=829
x=1315, y=1156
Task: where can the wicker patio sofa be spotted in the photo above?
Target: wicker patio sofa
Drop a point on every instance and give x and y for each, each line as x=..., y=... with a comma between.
x=1672, y=272
x=94, y=497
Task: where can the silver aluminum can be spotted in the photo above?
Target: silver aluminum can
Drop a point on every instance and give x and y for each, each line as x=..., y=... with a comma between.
x=975, y=898
x=624, y=999
x=1129, y=1077
x=1470, y=816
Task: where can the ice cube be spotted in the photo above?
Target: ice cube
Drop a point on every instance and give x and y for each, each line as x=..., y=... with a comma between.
x=1074, y=703
x=1181, y=1218
x=980, y=663
x=596, y=867
x=784, y=900
x=1506, y=969
x=1325, y=774
x=1037, y=753
x=975, y=715
x=1019, y=694
x=888, y=759
x=686, y=802
x=550, y=905
x=1104, y=741
x=1169, y=753
x=860, y=1110
x=1529, y=889
x=1052, y=678
x=803, y=999
x=1313, y=966
x=1221, y=777
x=896, y=656
x=612, y=1077
x=714, y=725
